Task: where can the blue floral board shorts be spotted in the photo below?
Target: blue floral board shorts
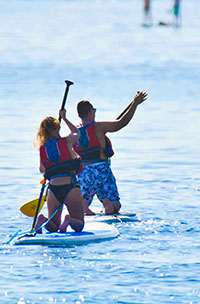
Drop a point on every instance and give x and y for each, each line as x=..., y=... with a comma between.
x=98, y=179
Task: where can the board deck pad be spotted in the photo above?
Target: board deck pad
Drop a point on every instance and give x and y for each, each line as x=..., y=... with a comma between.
x=92, y=232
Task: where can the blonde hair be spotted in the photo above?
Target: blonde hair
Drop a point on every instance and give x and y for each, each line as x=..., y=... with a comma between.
x=48, y=129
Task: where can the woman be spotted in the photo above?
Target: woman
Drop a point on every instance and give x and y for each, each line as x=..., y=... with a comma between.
x=60, y=163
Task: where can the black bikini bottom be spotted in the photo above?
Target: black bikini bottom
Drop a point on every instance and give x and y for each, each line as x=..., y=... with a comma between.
x=61, y=191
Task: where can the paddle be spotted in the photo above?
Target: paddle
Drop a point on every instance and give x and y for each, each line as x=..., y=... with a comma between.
x=29, y=208
x=40, y=202
x=125, y=110
x=68, y=83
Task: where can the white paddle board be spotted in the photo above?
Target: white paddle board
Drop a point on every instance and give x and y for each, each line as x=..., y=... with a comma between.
x=111, y=218
x=92, y=232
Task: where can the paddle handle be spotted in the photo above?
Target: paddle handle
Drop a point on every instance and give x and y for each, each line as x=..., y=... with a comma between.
x=68, y=83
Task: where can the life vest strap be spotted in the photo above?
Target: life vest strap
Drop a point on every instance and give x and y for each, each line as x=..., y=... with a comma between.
x=93, y=153
x=94, y=161
x=67, y=168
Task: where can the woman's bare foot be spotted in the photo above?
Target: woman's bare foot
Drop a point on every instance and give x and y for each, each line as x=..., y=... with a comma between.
x=63, y=226
x=40, y=221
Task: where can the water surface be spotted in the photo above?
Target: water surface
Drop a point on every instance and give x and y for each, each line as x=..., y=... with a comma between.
x=102, y=47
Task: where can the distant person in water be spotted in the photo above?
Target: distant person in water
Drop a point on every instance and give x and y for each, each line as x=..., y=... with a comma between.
x=147, y=13
x=95, y=149
x=176, y=13
x=59, y=163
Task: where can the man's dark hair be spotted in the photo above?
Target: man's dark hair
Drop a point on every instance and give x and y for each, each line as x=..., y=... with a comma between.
x=83, y=108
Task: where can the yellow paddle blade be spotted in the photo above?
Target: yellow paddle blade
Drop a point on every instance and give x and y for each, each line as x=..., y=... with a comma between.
x=30, y=208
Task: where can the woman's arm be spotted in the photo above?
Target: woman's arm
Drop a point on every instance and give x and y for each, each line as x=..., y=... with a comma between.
x=72, y=138
x=75, y=133
x=70, y=125
x=42, y=168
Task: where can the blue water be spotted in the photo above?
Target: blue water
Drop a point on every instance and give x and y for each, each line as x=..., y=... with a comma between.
x=102, y=47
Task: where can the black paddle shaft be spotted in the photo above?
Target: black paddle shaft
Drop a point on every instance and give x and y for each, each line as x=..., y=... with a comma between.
x=125, y=110
x=68, y=83
x=39, y=203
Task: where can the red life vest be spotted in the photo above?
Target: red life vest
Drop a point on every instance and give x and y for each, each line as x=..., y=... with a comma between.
x=57, y=159
x=88, y=145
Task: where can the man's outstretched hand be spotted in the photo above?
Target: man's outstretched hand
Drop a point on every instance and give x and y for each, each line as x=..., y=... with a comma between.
x=140, y=97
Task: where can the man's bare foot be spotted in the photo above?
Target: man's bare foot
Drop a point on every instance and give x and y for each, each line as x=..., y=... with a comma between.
x=63, y=226
x=87, y=210
x=41, y=220
x=108, y=206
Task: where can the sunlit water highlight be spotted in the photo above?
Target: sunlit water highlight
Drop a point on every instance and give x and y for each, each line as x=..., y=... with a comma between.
x=102, y=47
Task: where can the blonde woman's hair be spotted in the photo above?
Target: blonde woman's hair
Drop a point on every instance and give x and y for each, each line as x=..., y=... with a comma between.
x=48, y=129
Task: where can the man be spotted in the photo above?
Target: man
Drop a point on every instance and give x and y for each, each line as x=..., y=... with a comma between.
x=95, y=149
x=147, y=13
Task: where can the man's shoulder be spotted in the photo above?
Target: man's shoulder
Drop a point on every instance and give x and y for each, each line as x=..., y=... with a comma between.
x=105, y=126
x=100, y=124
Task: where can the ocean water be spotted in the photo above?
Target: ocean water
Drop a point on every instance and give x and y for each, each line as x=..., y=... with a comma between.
x=102, y=47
